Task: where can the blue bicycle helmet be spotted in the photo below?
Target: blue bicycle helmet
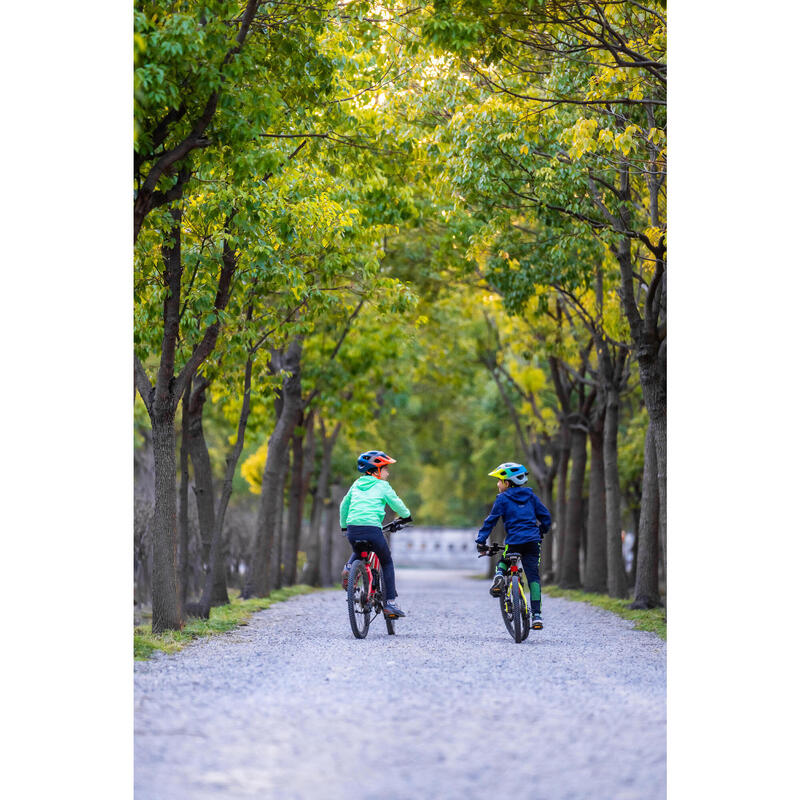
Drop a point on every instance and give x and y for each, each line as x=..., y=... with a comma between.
x=373, y=459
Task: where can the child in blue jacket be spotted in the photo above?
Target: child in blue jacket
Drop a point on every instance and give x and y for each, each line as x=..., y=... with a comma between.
x=526, y=520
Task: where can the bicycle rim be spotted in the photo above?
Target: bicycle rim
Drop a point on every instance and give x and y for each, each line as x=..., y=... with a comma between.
x=526, y=616
x=507, y=611
x=517, y=609
x=389, y=621
x=358, y=607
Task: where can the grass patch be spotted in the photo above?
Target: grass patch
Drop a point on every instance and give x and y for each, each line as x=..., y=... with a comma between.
x=651, y=619
x=221, y=619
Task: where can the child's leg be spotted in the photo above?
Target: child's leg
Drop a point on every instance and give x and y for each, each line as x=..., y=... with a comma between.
x=498, y=585
x=384, y=554
x=530, y=563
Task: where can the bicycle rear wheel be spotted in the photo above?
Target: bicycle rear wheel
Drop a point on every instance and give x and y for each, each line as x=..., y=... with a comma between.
x=358, y=606
x=516, y=606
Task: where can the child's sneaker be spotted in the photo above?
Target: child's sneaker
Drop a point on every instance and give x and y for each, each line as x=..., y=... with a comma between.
x=345, y=575
x=498, y=586
x=536, y=622
x=391, y=608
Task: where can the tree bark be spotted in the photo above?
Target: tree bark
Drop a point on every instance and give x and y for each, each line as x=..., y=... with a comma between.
x=649, y=332
x=312, y=571
x=596, y=579
x=561, y=501
x=211, y=588
x=297, y=494
x=341, y=548
x=183, y=513
x=204, y=491
x=646, y=594
x=569, y=567
x=161, y=402
x=278, y=563
x=617, y=582
x=330, y=522
x=166, y=600
x=259, y=583
x=546, y=572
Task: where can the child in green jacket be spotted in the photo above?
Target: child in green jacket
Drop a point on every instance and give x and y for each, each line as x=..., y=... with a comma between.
x=361, y=514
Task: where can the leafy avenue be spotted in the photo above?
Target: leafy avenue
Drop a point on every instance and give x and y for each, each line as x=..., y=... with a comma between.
x=438, y=228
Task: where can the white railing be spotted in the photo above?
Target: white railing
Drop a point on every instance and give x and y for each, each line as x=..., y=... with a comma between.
x=443, y=548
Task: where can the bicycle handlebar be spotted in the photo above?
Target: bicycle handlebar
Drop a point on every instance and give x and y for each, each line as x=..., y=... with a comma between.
x=397, y=524
x=491, y=550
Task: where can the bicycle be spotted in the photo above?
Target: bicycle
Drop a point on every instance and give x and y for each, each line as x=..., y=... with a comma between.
x=513, y=603
x=365, y=586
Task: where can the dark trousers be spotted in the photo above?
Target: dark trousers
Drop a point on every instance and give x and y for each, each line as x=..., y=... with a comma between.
x=374, y=535
x=530, y=553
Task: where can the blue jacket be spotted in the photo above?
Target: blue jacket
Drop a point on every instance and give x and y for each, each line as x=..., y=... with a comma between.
x=524, y=515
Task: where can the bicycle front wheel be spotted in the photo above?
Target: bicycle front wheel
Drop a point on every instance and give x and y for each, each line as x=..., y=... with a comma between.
x=516, y=608
x=526, y=615
x=389, y=621
x=507, y=610
x=358, y=606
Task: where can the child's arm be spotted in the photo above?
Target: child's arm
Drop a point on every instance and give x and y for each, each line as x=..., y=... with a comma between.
x=344, y=507
x=489, y=522
x=394, y=502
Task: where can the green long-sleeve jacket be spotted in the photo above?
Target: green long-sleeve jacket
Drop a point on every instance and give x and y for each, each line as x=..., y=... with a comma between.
x=366, y=501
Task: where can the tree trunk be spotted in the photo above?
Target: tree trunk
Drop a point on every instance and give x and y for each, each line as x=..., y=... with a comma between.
x=204, y=491
x=211, y=588
x=259, y=583
x=330, y=522
x=569, y=564
x=311, y=571
x=561, y=501
x=297, y=494
x=161, y=401
x=161, y=405
x=646, y=594
x=546, y=572
x=183, y=514
x=658, y=419
x=278, y=563
x=596, y=579
x=341, y=548
x=166, y=600
x=617, y=582
x=649, y=332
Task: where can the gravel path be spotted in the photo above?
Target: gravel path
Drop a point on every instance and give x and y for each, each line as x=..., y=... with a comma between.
x=292, y=706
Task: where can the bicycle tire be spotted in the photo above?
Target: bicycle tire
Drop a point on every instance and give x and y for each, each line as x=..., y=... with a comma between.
x=506, y=611
x=389, y=621
x=516, y=608
x=357, y=607
x=526, y=615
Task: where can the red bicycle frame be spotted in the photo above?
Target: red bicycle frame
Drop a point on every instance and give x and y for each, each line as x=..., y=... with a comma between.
x=371, y=560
